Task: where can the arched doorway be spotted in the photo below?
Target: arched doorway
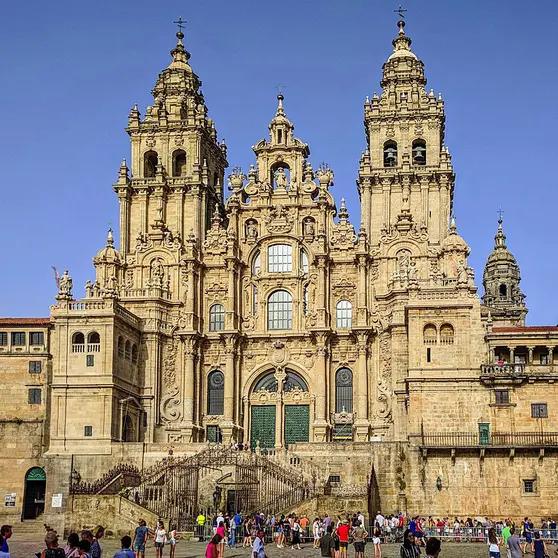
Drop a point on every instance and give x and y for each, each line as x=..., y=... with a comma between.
x=279, y=410
x=128, y=430
x=35, y=487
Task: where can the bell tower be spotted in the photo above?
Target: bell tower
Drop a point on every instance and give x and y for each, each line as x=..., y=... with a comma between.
x=177, y=164
x=405, y=178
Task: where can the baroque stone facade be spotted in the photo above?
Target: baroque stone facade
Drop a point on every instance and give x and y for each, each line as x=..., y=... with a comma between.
x=265, y=318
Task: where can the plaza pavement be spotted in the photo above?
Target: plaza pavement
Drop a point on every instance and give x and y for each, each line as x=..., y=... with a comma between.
x=21, y=548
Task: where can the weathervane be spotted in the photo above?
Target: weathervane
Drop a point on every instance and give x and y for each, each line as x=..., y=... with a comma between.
x=400, y=11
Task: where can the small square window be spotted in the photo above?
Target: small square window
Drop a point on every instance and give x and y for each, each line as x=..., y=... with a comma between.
x=502, y=397
x=34, y=396
x=35, y=366
x=90, y=360
x=18, y=338
x=529, y=486
x=213, y=434
x=36, y=338
x=334, y=478
x=3, y=338
x=539, y=410
x=88, y=431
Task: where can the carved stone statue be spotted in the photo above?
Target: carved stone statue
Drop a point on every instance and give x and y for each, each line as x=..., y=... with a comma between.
x=412, y=273
x=65, y=285
x=462, y=274
x=280, y=178
x=309, y=228
x=157, y=273
x=252, y=230
x=88, y=289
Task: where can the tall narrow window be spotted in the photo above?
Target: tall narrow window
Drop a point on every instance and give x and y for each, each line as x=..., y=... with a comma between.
x=36, y=338
x=3, y=338
x=419, y=152
x=344, y=314
x=280, y=310
x=150, y=162
x=179, y=163
x=255, y=300
x=304, y=262
x=430, y=334
x=305, y=300
x=217, y=317
x=446, y=334
x=93, y=342
x=344, y=391
x=280, y=258
x=215, y=393
x=256, y=264
x=18, y=338
x=390, y=154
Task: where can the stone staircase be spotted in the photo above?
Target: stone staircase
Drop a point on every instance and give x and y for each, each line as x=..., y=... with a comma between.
x=30, y=529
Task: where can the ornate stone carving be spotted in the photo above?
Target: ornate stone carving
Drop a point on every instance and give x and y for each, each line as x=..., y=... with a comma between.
x=170, y=402
x=384, y=394
x=278, y=353
x=216, y=292
x=344, y=288
x=279, y=219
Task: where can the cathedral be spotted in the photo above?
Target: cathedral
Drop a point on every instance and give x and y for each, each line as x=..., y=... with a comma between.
x=262, y=331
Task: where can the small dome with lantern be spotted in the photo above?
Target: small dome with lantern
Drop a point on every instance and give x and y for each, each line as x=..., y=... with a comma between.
x=453, y=242
x=108, y=254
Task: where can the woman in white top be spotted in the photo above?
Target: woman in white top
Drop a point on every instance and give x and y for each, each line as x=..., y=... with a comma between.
x=160, y=538
x=493, y=544
x=316, y=532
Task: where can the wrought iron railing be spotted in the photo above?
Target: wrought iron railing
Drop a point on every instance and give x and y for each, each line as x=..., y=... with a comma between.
x=112, y=482
x=494, y=439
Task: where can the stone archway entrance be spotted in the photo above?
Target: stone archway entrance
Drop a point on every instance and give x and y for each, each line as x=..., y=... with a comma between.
x=280, y=410
x=34, y=496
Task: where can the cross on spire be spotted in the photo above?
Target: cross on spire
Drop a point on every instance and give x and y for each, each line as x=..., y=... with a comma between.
x=500, y=213
x=400, y=11
x=181, y=23
x=280, y=88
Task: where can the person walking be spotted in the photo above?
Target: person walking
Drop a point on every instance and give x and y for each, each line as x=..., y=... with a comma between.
x=221, y=530
x=327, y=543
x=140, y=538
x=538, y=546
x=125, y=550
x=514, y=545
x=493, y=544
x=506, y=533
x=343, y=533
x=296, y=533
x=258, y=550
x=96, y=548
x=172, y=540
x=409, y=548
x=212, y=550
x=159, y=539
x=5, y=534
x=377, y=541
x=359, y=535
x=316, y=532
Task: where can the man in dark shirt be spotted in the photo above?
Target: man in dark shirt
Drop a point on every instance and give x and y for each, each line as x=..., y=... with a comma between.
x=327, y=544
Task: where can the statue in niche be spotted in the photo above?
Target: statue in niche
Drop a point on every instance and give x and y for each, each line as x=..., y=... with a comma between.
x=412, y=273
x=309, y=228
x=280, y=178
x=462, y=273
x=157, y=273
x=252, y=230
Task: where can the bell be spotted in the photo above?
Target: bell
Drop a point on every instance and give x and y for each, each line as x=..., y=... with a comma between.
x=420, y=156
x=390, y=158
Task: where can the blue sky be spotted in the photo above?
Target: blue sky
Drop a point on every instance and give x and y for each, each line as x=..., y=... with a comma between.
x=72, y=70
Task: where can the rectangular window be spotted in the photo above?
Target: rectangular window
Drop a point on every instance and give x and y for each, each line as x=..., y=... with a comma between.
x=88, y=431
x=334, y=478
x=34, y=396
x=428, y=355
x=539, y=410
x=3, y=338
x=213, y=434
x=280, y=258
x=502, y=397
x=217, y=317
x=36, y=338
x=544, y=358
x=280, y=311
x=18, y=338
x=529, y=486
x=90, y=360
x=35, y=366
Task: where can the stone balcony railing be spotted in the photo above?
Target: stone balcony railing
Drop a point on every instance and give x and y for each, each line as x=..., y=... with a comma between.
x=474, y=440
x=503, y=369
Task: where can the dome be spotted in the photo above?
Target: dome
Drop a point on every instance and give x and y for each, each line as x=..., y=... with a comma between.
x=453, y=242
x=108, y=253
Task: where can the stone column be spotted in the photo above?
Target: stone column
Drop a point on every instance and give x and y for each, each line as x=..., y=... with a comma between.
x=228, y=427
x=530, y=349
x=366, y=213
x=322, y=309
x=512, y=355
x=124, y=222
x=362, y=424
x=321, y=423
x=188, y=385
x=279, y=419
x=551, y=358
x=362, y=310
x=230, y=313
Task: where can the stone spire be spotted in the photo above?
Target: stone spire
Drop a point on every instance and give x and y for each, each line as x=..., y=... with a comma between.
x=501, y=278
x=281, y=128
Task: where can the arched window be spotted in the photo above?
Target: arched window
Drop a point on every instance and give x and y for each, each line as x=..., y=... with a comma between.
x=256, y=266
x=430, y=334
x=215, y=393
x=419, y=152
x=217, y=317
x=344, y=391
x=120, y=346
x=390, y=154
x=446, y=334
x=78, y=342
x=134, y=353
x=304, y=261
x=292, y=381
x=93, y=342
x=128, y=350
x=280, y=310
x=179, y=163
x=344, y=314
x=503, y=291
x=150, y=162
x=280, y=258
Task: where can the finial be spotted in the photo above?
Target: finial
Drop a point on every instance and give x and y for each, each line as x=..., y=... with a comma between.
x=500, y=219
x=453, y=226
x=180, y=22
x=110, y=238
x=401, y=25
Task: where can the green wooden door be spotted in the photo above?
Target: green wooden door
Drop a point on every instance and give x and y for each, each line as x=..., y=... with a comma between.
x=484, y=433
x=263, y=426
x=297, y=424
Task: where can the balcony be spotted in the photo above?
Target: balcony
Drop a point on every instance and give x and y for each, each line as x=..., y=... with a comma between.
x=516, y=373
x=486, y=440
